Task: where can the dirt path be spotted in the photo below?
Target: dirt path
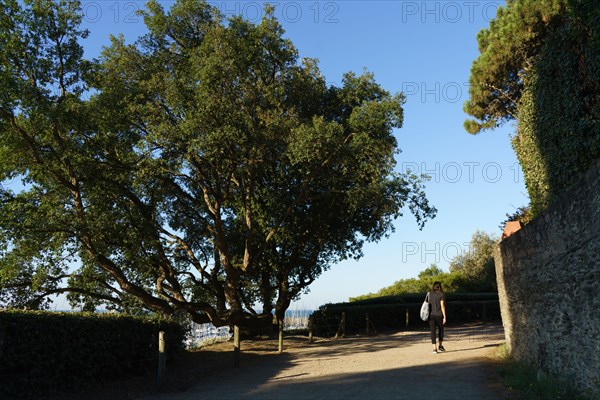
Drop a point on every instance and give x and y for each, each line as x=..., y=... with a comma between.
x=393, y=366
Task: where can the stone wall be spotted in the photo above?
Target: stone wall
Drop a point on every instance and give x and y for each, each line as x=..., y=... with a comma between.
x=549, y=287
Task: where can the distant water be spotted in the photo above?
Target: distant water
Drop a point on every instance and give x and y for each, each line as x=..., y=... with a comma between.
x=298, y=313
x=201, y=334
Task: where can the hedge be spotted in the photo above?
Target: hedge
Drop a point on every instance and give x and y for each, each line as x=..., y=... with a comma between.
x=47, y=352
x=390, y=312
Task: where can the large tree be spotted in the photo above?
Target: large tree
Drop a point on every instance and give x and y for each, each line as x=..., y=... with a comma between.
x=508, y=52
x=206, y=170
x=476, y=266
x=539, y=67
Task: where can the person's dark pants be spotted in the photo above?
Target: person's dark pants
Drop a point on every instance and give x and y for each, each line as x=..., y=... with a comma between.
x=439, y=321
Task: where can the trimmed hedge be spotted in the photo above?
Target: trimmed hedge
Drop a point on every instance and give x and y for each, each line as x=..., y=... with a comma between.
x=389, y=312
x=46, y=352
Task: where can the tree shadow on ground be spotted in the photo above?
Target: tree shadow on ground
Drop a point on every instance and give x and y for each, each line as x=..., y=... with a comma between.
x=212, y=369
x=465, y=380
x=460, y=381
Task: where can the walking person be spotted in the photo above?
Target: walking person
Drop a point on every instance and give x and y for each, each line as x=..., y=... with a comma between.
x=437, y=315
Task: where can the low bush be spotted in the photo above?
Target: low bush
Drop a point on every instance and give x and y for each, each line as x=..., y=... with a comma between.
x=46, y=352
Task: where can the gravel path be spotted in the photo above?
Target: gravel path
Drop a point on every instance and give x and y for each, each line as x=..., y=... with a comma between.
x=384, y=366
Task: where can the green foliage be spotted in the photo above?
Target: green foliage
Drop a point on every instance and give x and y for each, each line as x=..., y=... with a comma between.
x=524, y=381
x=206, y=170
x=539, y=65
x=472, y=271
x=507, y=49
x=476, y=266
x=422, y=284
x=43, y=352
x=558, y=137
x=37, y=43
x=522, y=214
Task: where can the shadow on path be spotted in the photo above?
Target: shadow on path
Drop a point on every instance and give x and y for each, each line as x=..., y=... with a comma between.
x=386, y=366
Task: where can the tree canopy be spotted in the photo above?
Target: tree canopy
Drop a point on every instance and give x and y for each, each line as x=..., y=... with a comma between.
x=203, y=169
x=476, y=266
x=539, y=66
x=508, y=51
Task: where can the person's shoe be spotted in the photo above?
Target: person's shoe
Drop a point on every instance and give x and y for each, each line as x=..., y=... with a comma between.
x=441, y=348
x=435, y=352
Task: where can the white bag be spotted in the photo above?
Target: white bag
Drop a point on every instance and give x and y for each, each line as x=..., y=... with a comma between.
x=425, y=308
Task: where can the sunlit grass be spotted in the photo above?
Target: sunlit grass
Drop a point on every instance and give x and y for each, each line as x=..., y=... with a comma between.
x=525, y=383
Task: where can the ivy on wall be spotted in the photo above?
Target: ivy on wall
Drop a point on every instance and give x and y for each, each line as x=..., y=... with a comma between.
x=540, y=66
x=558, y=136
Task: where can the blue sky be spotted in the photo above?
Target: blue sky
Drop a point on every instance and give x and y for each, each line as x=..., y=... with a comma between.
x=424, y=49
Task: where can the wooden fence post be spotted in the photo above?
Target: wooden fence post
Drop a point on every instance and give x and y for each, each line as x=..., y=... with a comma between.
x=280, y=336
x=341, y=332
x=407, y=320
x=367, y=318
x=236, y=346
x=161, y=359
